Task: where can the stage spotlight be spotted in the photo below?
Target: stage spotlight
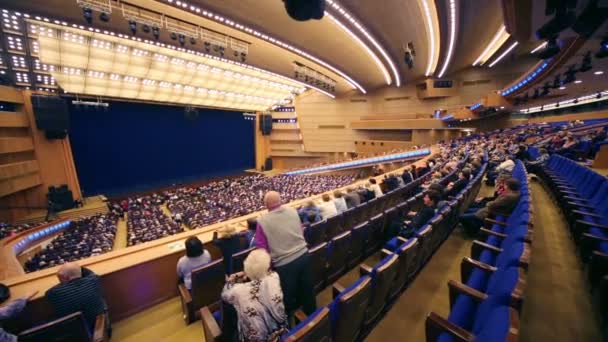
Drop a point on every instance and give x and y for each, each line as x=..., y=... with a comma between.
x=570, y=75
x=181, y=39
x=192, y=40
x=173, y=35
x=105, y=17
x=546, y=88
x=536, y=93
x=222, y=50
x=243, y=56
x=557, y=82
x=145, y=28
x=155, y=32
x=236, y=53
x=87, y=13
x=302, y=10
x=586, y=64
x=598, y=96
x=133, y=26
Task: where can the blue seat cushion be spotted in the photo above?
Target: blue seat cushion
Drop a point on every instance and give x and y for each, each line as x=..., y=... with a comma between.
x=392, y=244
x=495, y=326
x=478, y=279
x=333, y=306
x=463, y=312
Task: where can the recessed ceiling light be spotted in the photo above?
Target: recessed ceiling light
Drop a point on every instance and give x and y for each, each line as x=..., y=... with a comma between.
x=598, y=73
x=578, y=81
x=562, y=88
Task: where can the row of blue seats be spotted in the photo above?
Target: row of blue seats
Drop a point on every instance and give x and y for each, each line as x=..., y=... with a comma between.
x=356, y=308
x=485, y=305
x=582, y=195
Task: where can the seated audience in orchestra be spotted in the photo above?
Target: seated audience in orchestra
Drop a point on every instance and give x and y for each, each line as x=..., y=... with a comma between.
x=11, y=310
x=229, y=242
x=420, y=218
x=257, y=298
x=310, y=213
x=327, y=207
x=196, y=256
x=407, y=176
x=504, y=204
x=453, y=188
x=280, y=233
x=352, y=198
x=79, y=289
x=340, y=202
x=84, y=238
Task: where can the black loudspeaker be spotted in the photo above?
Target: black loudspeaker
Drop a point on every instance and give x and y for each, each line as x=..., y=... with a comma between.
x=302, y=10
x=268, y=164
x=52, y=115
x=61, y=197
x=266, y=124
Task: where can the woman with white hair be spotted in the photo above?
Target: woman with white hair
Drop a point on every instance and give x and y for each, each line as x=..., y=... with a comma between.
x=258, y=299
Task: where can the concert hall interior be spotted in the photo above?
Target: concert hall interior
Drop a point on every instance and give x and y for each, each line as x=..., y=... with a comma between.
x=304, y=170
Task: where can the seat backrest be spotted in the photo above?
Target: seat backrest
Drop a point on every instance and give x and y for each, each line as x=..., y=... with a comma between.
x=69, y=328
x=207, y=283
x=316, y=233
x=317, y=327
x=406, y=253
x=339, y=250
x=334, y=226
x=382, y=275
x=348, y=310
x=360, y=237
x=318, y=262
x=239, y=258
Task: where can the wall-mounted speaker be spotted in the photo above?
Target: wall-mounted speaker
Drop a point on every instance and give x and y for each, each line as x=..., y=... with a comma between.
x=266, y=124
x=52, y=115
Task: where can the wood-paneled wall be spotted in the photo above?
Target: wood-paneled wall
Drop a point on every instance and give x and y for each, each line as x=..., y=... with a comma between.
x=29, y=163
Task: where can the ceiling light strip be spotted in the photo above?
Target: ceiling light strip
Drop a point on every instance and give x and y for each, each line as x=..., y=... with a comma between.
x=430, y=68
x=504, y=54
x=387, y=76
x=452, y=19
x=480, y=60
x=248, y=30
x=367, y=35
x=541, y=46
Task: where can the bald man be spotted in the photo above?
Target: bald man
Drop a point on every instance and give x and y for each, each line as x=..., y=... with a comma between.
x=280, y=233
x=79, y=289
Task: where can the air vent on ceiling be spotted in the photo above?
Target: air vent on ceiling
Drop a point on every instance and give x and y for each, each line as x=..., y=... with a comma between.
x=475, y=82
x=401, y=98
x=358, y=100
x=330, y=127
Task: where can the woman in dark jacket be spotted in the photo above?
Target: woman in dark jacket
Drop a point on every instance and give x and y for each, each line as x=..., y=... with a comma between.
x=229, y=242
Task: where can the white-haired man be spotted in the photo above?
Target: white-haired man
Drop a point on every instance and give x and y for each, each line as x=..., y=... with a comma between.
x=280, y=233
x=79, y=289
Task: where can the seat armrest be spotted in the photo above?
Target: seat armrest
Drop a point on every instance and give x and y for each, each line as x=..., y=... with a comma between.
x=336, y=290
x=595, y=237
x=584, y=213
x=457, y=288
x=184, y=293
x=492, y=222
x=401, y=239
x=569, y=192
x=211, y=328
x=581, y=205
x=384, y=252
x=364, y=269
x=467, y=264
x=575, y=198
x=435, y=325
x=477, y=247
x=99, y=334
x=300, y=316
x=491, y=232
x=591, y=224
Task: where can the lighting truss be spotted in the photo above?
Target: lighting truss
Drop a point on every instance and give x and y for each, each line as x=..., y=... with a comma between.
x=96, y=5
x=577, y=101
x=99, y=64
x=142, y=16
x=499, y=38
x=209, y=15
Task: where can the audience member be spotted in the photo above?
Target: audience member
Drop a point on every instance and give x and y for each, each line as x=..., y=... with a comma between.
x=252, y=225
x=420, y=218
x=327, y=207
x=408, y=175
x=280, y=233
x=310, y=213
x=340, y=202
x=196, y=256
x=229, y=242
x=258, y=299
x=352, y=198
x=375, y=187
x=11, y=310
x=79, y=289
x=503, y=205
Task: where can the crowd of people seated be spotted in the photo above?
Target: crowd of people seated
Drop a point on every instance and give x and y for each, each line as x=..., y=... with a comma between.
x=85, y=237
x=7, y=229
x=222, y=200
x=147, y=221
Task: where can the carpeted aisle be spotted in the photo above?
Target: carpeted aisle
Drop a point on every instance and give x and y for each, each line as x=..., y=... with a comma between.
x=557, y=306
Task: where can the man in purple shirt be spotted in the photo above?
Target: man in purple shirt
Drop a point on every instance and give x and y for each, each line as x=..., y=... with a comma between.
x=11, y=310
x=280, y=233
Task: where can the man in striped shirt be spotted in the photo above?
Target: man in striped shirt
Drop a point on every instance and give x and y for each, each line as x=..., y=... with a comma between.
x=79, y=289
